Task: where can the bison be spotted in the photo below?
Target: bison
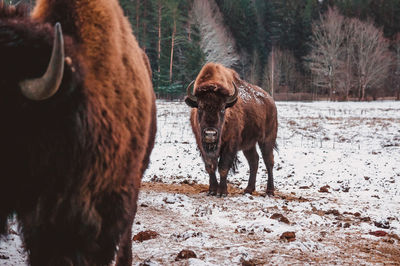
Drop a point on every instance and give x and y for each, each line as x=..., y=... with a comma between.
x=230, y=115
x=78, y=118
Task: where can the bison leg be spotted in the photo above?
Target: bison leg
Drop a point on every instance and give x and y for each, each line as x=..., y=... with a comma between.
x=212, y=190
x=124, y=255
x=267, y=151
x=65, y=235
x=55, y=244
x=47, y=245
x=3, y=223
x=225, y=163
x=252, y=158
x=223, y=188
x=4, y=213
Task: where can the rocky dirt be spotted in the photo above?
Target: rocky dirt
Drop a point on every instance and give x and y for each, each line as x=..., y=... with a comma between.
x=254, y=230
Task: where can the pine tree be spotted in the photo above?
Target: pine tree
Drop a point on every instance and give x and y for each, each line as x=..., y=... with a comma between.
x=253, y=30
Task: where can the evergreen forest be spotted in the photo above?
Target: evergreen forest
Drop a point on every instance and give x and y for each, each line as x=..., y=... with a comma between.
x=294, y=49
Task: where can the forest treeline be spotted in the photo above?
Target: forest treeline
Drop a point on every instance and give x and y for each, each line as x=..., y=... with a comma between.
x=295, y=49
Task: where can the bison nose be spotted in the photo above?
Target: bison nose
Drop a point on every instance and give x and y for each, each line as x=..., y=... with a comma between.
x=210, y=135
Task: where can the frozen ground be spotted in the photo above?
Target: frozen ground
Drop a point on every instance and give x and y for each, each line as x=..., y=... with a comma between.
x=337, y=176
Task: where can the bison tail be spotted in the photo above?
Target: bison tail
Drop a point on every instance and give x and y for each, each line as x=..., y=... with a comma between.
x=276, y=147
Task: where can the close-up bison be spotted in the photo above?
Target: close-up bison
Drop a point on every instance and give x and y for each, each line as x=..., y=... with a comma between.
x=230, y=115
x=78, y=118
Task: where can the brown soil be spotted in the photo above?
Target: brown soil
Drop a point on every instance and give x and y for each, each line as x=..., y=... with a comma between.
x=190, y=189
x=352, y=246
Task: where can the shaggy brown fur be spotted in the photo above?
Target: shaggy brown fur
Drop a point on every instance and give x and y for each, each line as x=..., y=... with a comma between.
x=251, y=120
x=72, y=164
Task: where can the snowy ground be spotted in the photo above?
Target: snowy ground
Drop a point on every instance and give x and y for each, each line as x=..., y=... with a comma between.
x=337, y=177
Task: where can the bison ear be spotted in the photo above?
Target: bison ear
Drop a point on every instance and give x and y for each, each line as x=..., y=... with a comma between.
x=190, y=102
x=231, y=103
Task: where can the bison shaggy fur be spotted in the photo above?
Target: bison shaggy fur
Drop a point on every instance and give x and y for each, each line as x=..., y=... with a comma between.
x=71, y=165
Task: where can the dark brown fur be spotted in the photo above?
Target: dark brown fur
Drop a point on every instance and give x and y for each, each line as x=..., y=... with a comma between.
x=72, y=164
x=251, y=120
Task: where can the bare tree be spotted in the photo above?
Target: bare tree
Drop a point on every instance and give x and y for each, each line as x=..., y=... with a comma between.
x=327, y=48
x=144, y=25
x=137, y=17
x=346, y=70
x=216, y=40
x=255, y=66
x=280, y=74
x=173, y=8
x=396, y=48
x=370, y=55
x=271, y=64
x=159, y=9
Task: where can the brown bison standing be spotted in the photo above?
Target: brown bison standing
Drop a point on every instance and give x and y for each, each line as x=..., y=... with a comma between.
x=78, y=124
x=230, y=115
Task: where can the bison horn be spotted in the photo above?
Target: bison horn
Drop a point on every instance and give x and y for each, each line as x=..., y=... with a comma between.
x=46, y=86
x=233, y=98
x=190, y=94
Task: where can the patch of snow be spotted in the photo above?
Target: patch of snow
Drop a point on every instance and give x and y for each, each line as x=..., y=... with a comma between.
x=350, y=148
x=246, y=93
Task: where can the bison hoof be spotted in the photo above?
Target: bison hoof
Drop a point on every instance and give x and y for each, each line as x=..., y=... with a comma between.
x=270, y=193
x=212, y=193
x=248, y=191
x=222, y=192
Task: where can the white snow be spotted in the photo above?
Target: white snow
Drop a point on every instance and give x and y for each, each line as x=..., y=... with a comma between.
x=352, y=147
x=246, y=94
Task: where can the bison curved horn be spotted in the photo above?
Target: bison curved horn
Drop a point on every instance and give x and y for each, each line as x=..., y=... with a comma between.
x=46, y=86
x=233, y=98
x=190, y=94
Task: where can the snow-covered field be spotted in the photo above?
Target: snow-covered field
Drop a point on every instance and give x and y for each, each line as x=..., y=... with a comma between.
x=337, y=180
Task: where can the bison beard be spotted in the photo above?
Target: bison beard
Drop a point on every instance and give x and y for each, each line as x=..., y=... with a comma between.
x=230, y=115
x=78, y=125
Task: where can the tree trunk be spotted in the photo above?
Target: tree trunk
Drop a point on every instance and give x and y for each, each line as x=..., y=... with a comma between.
x=144, y=26
x=137, y=18
x=363, y=92
x=397, y=74
x=159, y=37
x=189, y=31
x=189, y=27
x=272, y=72
x=172, y=51
x=348, y=77
x=360, y=90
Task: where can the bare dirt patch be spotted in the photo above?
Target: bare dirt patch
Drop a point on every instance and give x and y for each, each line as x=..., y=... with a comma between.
x=254, y=230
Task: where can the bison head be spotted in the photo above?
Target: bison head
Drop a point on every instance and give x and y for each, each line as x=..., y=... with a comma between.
x=47, y=85
x=211, y=104
x=28, y=78
x=41, y=75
